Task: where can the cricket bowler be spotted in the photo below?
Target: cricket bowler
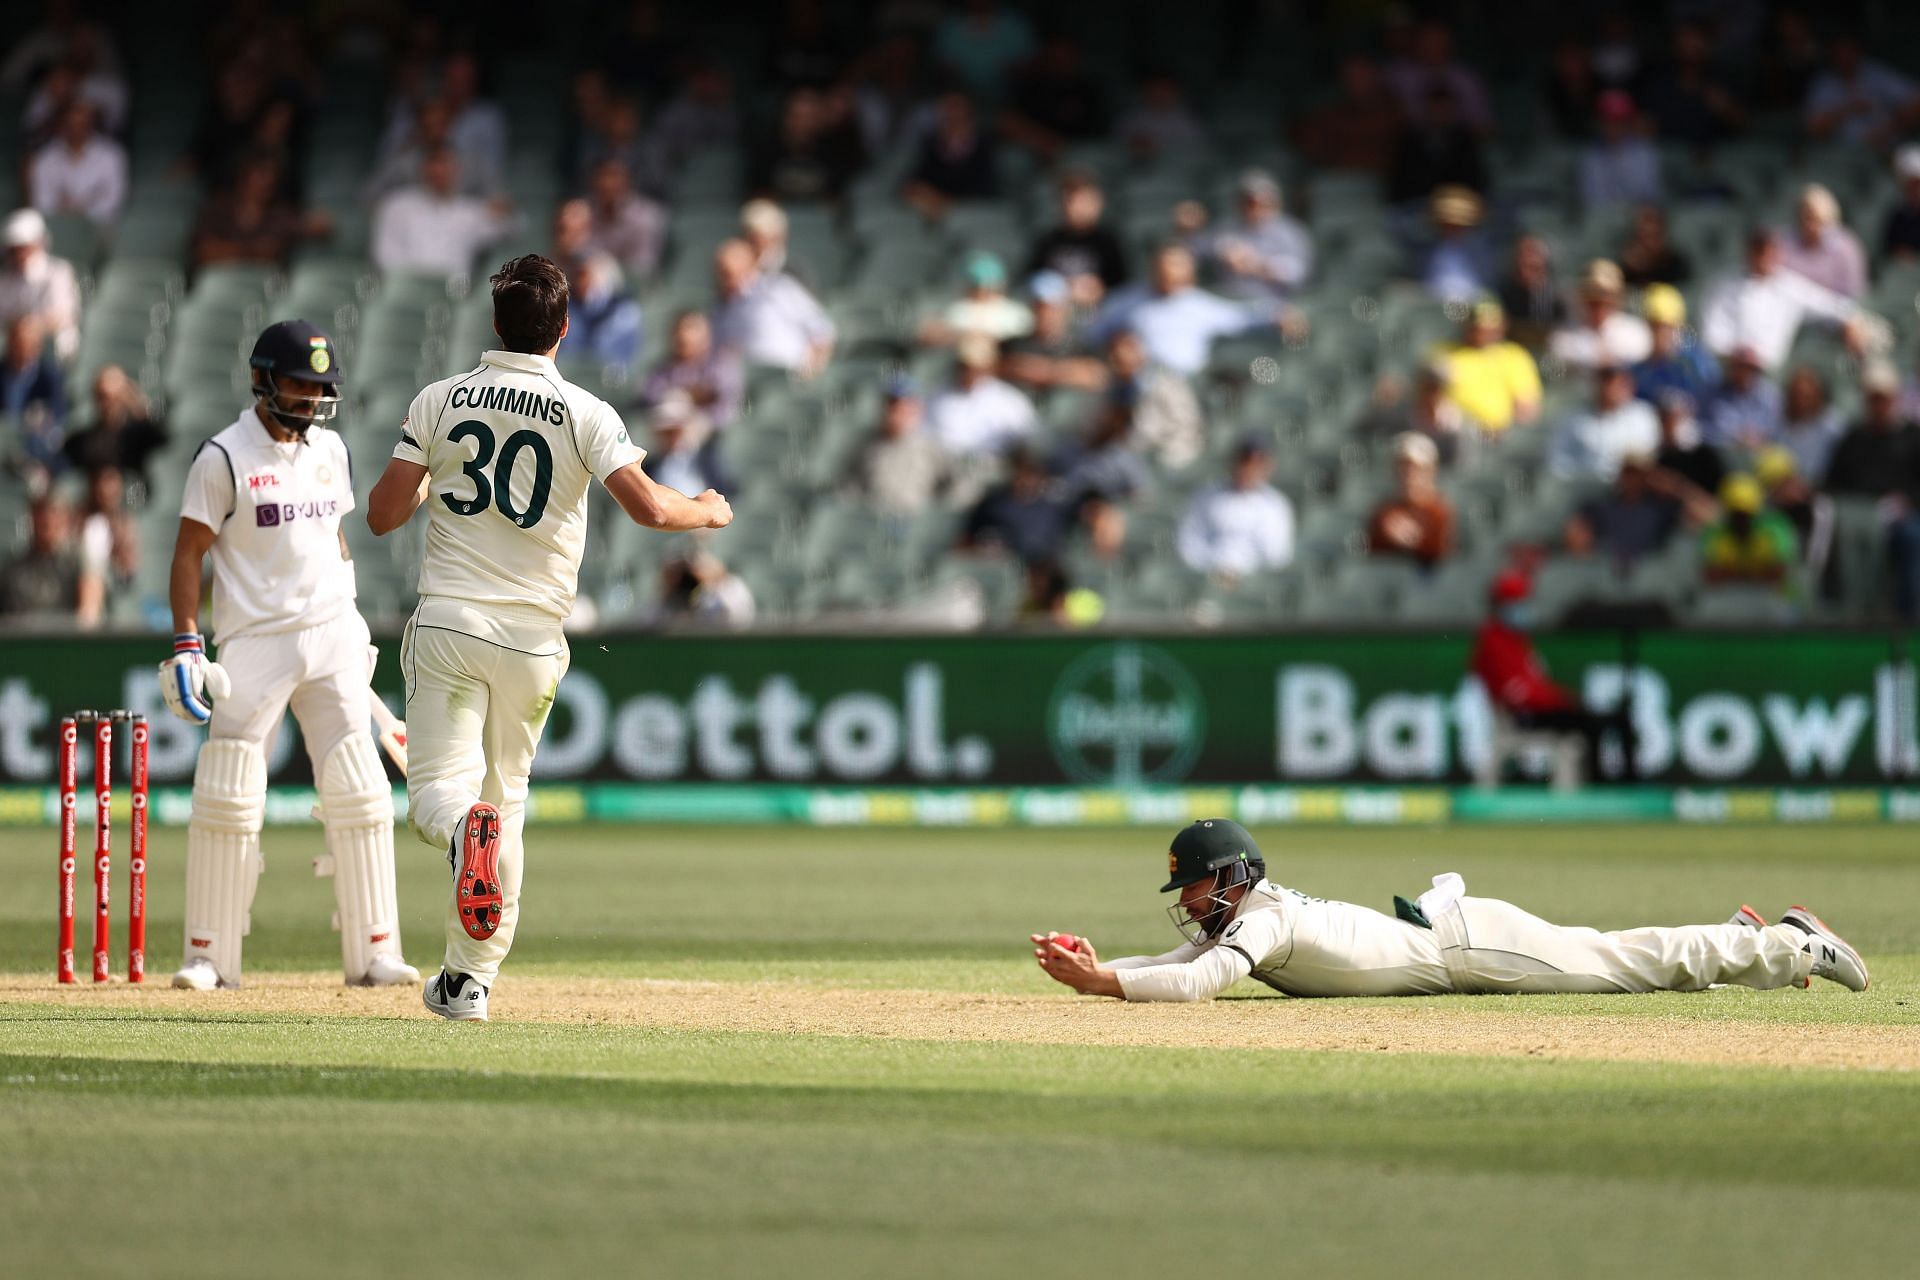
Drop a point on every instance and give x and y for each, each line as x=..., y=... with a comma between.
x=503, y=456
x=264, y=498
x=1240, y=924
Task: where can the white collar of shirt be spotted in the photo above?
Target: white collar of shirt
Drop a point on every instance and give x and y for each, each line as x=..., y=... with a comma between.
x=519, y=361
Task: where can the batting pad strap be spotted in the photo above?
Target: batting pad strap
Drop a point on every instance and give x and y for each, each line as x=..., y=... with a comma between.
x=353, y=786
x=230, y=786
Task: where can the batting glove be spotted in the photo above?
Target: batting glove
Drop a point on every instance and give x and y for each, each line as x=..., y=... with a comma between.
x=187, y=679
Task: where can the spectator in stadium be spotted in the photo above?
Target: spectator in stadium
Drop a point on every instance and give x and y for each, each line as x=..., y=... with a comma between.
x=1051, y=355
x=1055, y=102
x=1534, y=305
x=109, y=547
x=1457, y=263
x=701, y=589
x=1358, y=129
x=1571, y=89
x=1263, y=253
x=1601, y=335
x=1748, y=544
x=1438, y=149
x=810, y=158
x=1619, y=167
x=431, y=228
x=125, y=432
x=701, y=117
x=1821, y=248
x=1029, y=516
x=1590, y=444
x=476, y=126
x=1161, y=123
x=1416, y=521
x=1696, y=466
x=1104, y=465
x=901, y=471
x=956, y=161
x=1509, y=668
x=1859, y=100
x=43, y=579
x=1677, y=361
x=1689, y=102
x=572, y=234
x=1648, y=257
x=763, y=224
x=1744, y=411
x=65, y=34
x=250, y=222
x=1431, y=65
x=976, y=414
x=1765, y=306
x=1493, y=381
x=630, y=226
x=603, y=323
x=80, y=171
x=981, y=43
x=430, y=130
x=1178, y=321
x=617, y=134
x=33, y=394
x=1632, y=520
x=1809, y=513
x=1427, y=410
x=984, y=307
x=889, y=91
x=243, y=95
x=768, y=318
x=1879, y=458
x=1790, y=60
x=682, y=453
x=711, y=375
x=1900, y=236
x=34, y=282
x=1241, y=527
x=1081, y=247
x=1809, y=425
x=1163, y=410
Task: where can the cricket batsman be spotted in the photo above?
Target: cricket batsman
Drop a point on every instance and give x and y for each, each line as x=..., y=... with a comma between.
x=1240, y=924
x=503, y=456
x=264, y=498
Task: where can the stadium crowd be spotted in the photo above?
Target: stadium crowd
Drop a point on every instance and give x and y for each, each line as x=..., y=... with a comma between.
x=1085, y=405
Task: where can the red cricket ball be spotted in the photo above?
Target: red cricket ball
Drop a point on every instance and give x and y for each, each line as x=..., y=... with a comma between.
x=1066, y=942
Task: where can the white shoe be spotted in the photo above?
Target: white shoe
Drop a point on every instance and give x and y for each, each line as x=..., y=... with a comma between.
x=390, y=971
x=197, y=974
x=1833, y=959
x=1748, y=917
x=455, y=996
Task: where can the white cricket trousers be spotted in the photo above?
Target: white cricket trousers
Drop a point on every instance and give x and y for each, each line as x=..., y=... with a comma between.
x=479, y=687
x=1490, y=946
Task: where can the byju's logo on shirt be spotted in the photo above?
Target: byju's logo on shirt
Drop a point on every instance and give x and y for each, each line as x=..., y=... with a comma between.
x=271, y=514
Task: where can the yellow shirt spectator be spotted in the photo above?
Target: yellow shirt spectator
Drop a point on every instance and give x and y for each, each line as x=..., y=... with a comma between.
x=1494, y=382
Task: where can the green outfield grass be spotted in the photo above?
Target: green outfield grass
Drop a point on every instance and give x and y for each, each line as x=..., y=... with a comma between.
x=189, y=1141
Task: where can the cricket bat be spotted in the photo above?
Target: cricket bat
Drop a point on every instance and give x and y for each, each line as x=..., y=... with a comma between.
x=392, y=732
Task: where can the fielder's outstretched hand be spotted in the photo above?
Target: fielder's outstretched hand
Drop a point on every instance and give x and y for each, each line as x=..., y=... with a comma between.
x=1071, y=962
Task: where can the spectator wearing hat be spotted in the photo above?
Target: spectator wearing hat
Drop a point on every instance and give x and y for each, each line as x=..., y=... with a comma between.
x=1494, y=382
x=1518, y=686
x=682, y=453
x=1648, y=257
x=711, y=375
x=983, y=308
x=768, y=318
x=1764, y=307
x=1697, y=466
x=1809, y=425
x=1177, y=320
x=1743, y=412
x=1808, y=512
x=1590, y=444
x=1162, y=410
x=1534, y=305
x=901, y=471
x=1677, y=361
x=1900, y=235
x=1633, y=519
x=1619, y=167
x=1081, y=247
x=1748, y=544
x=1415, y=521
x=1263, y=253
x=80, y=171
x=1243, y=526
x=763, y=224
x=1600, y=333
x=1458, y=264
x=1051, y=355
x=1821, y=249
x=603, y=323
x=1859, y=100
x=976, y=414
x=956, y=160
x=34, y=282
x=1879, y=458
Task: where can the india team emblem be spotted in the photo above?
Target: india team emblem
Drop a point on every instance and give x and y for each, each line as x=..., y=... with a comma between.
x=320, y=360
x=325, y=475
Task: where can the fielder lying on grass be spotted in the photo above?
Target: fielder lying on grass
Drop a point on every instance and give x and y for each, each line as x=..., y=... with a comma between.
x=1239, y=924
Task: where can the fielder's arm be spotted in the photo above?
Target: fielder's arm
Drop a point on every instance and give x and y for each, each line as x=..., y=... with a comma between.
x=655, y=506
x=1184, y=974
x=398, y=493
x=190, y=547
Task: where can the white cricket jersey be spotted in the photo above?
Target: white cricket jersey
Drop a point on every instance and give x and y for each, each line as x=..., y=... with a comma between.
x=275, y=508
x=511, y=450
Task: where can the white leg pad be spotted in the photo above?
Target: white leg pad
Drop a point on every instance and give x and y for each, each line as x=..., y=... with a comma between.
x=223, y=851
x=357, y=805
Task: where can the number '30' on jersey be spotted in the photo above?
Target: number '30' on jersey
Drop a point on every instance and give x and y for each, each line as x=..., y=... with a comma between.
x=511, y=449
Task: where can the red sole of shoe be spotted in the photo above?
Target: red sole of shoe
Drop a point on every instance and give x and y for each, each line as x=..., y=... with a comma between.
x=479, y=888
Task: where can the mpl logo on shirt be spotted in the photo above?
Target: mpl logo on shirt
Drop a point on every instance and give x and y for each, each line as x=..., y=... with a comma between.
x=1124, y=714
